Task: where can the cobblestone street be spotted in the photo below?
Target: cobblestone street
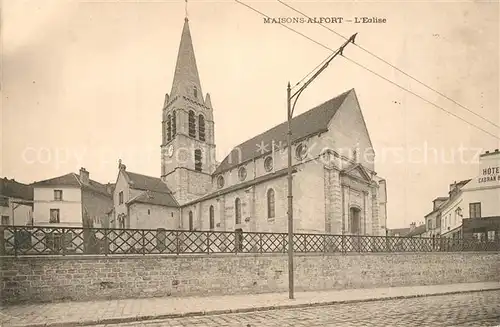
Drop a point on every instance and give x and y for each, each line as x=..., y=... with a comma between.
x=470, y=309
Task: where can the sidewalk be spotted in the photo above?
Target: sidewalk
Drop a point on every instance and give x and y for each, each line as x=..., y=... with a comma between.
x=122, y=311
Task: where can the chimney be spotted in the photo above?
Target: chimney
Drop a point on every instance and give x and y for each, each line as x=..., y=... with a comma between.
x=84, y=176
x=412, y=226
x=496, y=150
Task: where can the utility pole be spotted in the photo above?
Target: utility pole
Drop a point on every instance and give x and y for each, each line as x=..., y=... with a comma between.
x=290, y=109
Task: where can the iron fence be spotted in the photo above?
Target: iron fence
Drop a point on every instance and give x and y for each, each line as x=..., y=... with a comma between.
x=37, y=240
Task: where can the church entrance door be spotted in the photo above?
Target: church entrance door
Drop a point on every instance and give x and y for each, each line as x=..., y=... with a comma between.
x=354, y=227
x=354, y=220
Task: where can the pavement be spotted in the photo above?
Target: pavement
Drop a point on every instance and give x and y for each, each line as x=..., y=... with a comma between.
x=473, y=309
x=70, y=314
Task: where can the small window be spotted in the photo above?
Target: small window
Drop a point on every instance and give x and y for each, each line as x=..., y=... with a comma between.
x=192, y=124
x=201, y=127
x=58, y=195
x=149, y=211
x=268, y=164
x=195, y=91
x=475, y=210
x=54, y=216
x=191, y=220
x=212, y=218
x=197, y=160
x=5, y=220
x=237, y=211
x=171, y=214
x=491, y=235
x=301, y=151
x=220, y=182
x=270, y=203
x=120, y=197
x=242, y=173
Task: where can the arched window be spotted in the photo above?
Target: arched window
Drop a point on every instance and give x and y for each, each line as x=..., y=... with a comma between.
x=237, y=211
x=270, y=203
x=201, y=127
x=192, y=124
x=195, y=91
x=211, y=218
x=169, y=128
x=174, y=124
x=190, y=220
x=197, y=160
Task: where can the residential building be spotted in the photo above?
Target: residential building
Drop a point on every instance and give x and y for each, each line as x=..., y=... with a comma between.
x=65, y=201
x=398, y=231
x=417, y=231
x=144, y=202
x=16, y=203
x=473, y=206
x=433, y=219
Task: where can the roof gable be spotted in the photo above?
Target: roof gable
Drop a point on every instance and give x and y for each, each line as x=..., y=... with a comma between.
x=358, y=171
x=70, y=180
x=311, y=122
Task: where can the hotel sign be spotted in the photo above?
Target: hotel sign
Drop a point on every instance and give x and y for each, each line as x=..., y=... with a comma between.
x=490, y=174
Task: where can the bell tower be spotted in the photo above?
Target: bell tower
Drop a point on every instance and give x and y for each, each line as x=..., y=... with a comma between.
x=187, y=147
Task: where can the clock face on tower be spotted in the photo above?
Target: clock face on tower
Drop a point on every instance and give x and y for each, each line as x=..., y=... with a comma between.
x=170, y=150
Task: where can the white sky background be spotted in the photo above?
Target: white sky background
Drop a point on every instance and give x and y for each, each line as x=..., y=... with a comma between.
x=85, y=81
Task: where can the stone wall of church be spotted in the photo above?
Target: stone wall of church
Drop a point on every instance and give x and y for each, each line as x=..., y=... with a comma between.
x=309, y=205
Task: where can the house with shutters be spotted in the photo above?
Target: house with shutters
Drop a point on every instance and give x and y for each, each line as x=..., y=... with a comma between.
x=65, y=201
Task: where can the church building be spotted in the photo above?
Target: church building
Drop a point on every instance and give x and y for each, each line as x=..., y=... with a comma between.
x=335, y=187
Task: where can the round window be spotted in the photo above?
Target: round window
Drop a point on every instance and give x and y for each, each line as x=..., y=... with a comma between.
x=242, y=173
x=301, y=151
x=268, y=164
x=220, y=181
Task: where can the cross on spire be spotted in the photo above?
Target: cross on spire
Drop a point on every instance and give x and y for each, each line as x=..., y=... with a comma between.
x=186, y=8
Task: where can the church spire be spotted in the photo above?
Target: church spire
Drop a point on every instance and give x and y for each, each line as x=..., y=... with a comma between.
x=186, y=79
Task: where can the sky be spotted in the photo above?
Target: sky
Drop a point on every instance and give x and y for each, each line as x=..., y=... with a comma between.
x=83, y=83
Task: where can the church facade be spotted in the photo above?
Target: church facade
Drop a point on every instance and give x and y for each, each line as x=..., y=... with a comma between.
x=335, y=187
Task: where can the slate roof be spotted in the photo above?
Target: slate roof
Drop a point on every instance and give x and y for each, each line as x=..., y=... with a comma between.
x=307, y=124
x=156, y=198
x=399, y=231
x=73, y=180
x=416, y=231
x=13, y=189
x=157, y=192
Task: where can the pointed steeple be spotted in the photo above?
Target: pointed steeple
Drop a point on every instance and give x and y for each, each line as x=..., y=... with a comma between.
x=186, y=79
